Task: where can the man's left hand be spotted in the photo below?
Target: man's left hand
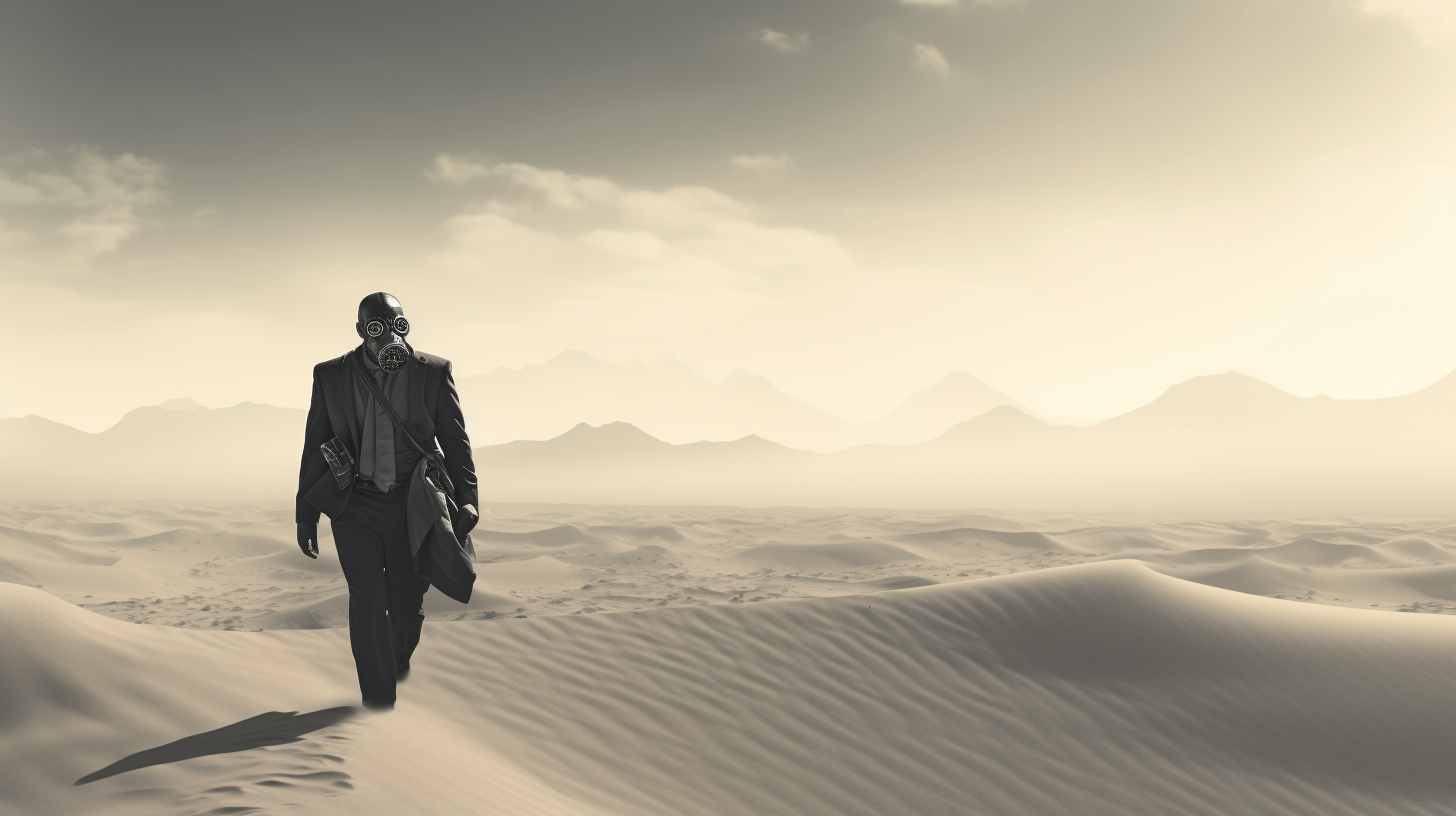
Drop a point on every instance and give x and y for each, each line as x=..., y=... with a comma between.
x=468, y=518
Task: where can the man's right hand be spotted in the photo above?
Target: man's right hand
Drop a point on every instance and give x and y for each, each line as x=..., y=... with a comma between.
x=308, y=539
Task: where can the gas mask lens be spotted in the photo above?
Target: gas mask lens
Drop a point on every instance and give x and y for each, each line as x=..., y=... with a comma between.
x=379, y=325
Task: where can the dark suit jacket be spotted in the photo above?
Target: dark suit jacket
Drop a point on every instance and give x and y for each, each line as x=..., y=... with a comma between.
x=434, y=414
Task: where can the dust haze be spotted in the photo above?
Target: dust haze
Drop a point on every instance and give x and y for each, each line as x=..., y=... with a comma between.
x=878, y=407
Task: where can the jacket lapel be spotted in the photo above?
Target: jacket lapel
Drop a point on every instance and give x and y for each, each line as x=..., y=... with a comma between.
x=350, y=381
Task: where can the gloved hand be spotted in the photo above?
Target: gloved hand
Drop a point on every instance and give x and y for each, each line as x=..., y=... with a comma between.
x=308, y=539
x=469, y=516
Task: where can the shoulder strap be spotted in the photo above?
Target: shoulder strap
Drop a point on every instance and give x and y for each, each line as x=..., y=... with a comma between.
x=399, y=423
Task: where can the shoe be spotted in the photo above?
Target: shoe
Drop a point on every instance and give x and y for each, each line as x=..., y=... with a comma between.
x=379, y=705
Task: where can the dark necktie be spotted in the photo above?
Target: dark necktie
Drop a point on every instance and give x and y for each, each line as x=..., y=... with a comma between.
x=384, y=475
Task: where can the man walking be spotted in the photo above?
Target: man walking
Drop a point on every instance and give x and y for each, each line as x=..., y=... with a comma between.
x=361, y=469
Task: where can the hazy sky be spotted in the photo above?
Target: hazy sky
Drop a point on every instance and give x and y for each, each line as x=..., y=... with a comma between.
x=1079, y=201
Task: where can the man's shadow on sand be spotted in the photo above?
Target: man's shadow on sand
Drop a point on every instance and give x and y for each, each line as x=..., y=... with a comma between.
x=273, y=728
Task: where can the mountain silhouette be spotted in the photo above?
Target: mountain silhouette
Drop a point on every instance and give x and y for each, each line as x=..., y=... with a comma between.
x=1223, y=444
x=670, y=401
x=246, y=452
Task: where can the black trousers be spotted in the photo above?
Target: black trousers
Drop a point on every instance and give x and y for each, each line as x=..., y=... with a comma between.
x=386, y=598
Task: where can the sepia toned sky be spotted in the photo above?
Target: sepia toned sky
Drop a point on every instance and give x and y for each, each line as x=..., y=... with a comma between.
x=1079, y=201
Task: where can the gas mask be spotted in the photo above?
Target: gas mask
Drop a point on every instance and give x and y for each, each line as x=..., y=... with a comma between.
x=383, y=326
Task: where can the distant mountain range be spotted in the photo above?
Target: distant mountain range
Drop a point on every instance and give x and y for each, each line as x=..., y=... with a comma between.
x=176, y=450
x=670, y=401
x=1222, y=444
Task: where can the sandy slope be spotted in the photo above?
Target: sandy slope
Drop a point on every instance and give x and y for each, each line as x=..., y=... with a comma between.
x=1030, y=663
x=1103, y=688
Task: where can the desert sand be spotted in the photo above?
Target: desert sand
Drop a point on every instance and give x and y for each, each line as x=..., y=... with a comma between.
x=185, y=658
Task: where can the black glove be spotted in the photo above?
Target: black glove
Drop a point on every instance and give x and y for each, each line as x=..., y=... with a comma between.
x=468, y=519
x=308, y=539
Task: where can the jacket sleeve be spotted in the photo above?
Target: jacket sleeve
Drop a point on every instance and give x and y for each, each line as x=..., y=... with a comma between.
x=316, y=431
x=450, y=431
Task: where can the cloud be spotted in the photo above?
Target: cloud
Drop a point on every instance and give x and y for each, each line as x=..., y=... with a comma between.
x=678, y=209
x=10, y=238
x=781, y=40
x=587, y=260
x=768, y=163
x=109, y=194
x=590, y=226
x=448, y=169
x=928, y=58
x=489, y=242
x=561, y=189
x=637, y=245
x=204, y=215
x=673, y=208
x=96, y=236
x=13, y=192
x=1432, y=19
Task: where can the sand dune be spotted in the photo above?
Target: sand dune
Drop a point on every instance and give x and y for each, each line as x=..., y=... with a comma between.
x=1416, y=547
x=666, y=532
x=484, y=604
x=49, y=547
x=110, y=530
x=825, y=556
x=962, y=536
x=1102, y=688
x=896, y=582
x=328, y=612
x=289, y=560
x=976, y=520
x=550, y=537
x=726, y=660
x=235, y=566
x=329, y=609
x=531, y=573
x=620, y=555
x=80, y=580
x=1413, y=589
